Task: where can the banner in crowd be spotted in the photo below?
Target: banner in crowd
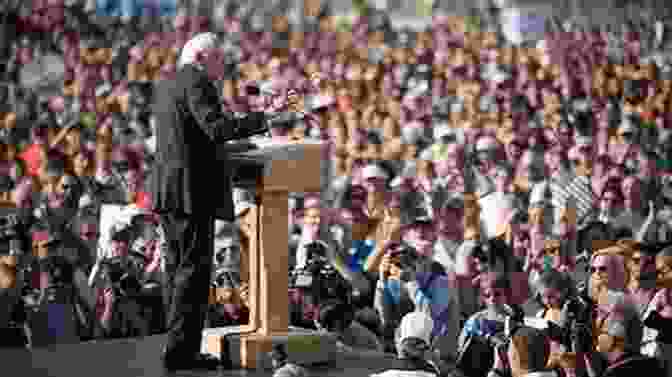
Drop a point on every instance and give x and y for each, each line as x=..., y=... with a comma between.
x=135, y=8
x=523, y=25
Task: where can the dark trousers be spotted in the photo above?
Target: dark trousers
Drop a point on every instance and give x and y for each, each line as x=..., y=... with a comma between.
x=189, y=266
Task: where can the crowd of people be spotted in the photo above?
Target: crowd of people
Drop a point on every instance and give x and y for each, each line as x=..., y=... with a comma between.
x=473, y=185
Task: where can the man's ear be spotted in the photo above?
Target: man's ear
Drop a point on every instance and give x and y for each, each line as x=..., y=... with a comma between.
x=200, y=57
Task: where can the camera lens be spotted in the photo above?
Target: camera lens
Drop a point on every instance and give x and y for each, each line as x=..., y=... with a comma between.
x=219, y=257
x=220, y=281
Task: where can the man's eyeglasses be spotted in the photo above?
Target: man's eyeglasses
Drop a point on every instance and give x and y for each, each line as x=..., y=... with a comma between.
x=495, y=294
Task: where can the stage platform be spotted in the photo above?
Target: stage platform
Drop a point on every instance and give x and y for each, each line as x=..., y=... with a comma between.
x=140, y=357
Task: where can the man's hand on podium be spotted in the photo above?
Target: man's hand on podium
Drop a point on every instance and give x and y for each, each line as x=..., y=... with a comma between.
x=247, y=221
x=244, y=294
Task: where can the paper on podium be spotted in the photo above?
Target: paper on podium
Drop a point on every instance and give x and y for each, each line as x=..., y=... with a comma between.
x=270, y=144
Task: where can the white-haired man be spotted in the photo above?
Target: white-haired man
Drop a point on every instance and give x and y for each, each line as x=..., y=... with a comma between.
x=191, y=187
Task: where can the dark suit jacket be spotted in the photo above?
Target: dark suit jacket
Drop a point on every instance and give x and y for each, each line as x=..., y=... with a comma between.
x=632, y=365
x=188, y=176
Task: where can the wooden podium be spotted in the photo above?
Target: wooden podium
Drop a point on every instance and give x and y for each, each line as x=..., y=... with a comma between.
x=274, y=170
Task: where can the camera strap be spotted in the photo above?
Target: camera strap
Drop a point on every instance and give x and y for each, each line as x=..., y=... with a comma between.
x=426, y=287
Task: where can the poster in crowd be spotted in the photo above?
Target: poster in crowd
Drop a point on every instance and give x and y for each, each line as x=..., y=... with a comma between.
x=521, y=25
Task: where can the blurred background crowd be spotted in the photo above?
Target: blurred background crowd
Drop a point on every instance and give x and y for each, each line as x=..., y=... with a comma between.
x=476, y=168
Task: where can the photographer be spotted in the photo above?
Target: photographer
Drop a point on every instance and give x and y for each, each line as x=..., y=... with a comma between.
x=568, y=314
x=317, y=281
x=392, y=299
x=120, y=291
x=54, y=318
x=14, y=332
x=149, y=247
x=482, y=331
x=338, y=317
x=525, y=355
x=228, y=300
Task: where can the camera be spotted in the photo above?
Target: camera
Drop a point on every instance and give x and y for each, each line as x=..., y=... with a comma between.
x=319, y=277
x=119, y=275
x=226, y=279
x=9, y=226
x=404, y=258
x=227, y=254
x=316, y=264
x=60, y=276
x=263, y=88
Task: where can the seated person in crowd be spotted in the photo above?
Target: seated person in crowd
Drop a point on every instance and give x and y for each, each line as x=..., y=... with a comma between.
x=413, y=346
x=526, y=355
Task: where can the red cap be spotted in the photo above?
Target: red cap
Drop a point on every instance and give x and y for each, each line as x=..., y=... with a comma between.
x=40, y=236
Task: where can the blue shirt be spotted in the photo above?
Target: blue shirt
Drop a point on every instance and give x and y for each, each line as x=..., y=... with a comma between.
x=358, y=254
x=135, y=8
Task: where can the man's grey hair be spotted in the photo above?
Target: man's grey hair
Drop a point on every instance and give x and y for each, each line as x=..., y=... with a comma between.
x=195, y=45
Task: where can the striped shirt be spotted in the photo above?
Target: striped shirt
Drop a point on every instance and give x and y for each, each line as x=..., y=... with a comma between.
x=565, y=185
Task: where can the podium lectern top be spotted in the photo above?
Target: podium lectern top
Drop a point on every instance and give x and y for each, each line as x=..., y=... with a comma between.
x=279, y=166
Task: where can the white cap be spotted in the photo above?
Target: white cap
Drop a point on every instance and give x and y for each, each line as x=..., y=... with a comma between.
x=374, y=171
x=319, y=101
x=411, y=133
x=456, y=107
x=416, y=325
x=199, y=43
x=582, y=105
x=539, y=195
x=426, y=155
x=626, y=125
x=486, y=143
x=441, y=130
x=396, y=182
x=583, y=140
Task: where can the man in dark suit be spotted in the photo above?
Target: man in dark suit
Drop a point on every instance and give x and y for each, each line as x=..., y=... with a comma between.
x=191, y=188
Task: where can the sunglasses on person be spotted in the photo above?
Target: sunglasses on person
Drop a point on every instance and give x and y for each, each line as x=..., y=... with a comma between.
x=493, y=294
x=598, y=269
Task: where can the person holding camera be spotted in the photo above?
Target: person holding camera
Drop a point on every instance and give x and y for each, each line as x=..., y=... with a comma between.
x=568, y=313
x=120, y=290
x=482, y=330
x=316, y=283
x=392, y=300
x=317, y=221
x=657, y=315
x=304, y=288
x=228, y=301
x=53, y=318
x=14, y=331
x=525, y=354
x=338, y=317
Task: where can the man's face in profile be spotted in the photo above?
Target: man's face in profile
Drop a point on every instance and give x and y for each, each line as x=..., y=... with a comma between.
x=599, y=276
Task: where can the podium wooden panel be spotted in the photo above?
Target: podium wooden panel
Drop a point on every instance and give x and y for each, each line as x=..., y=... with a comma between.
x=274, y=170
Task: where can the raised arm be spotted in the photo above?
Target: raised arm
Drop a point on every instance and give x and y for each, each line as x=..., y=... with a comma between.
x=203, y=103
